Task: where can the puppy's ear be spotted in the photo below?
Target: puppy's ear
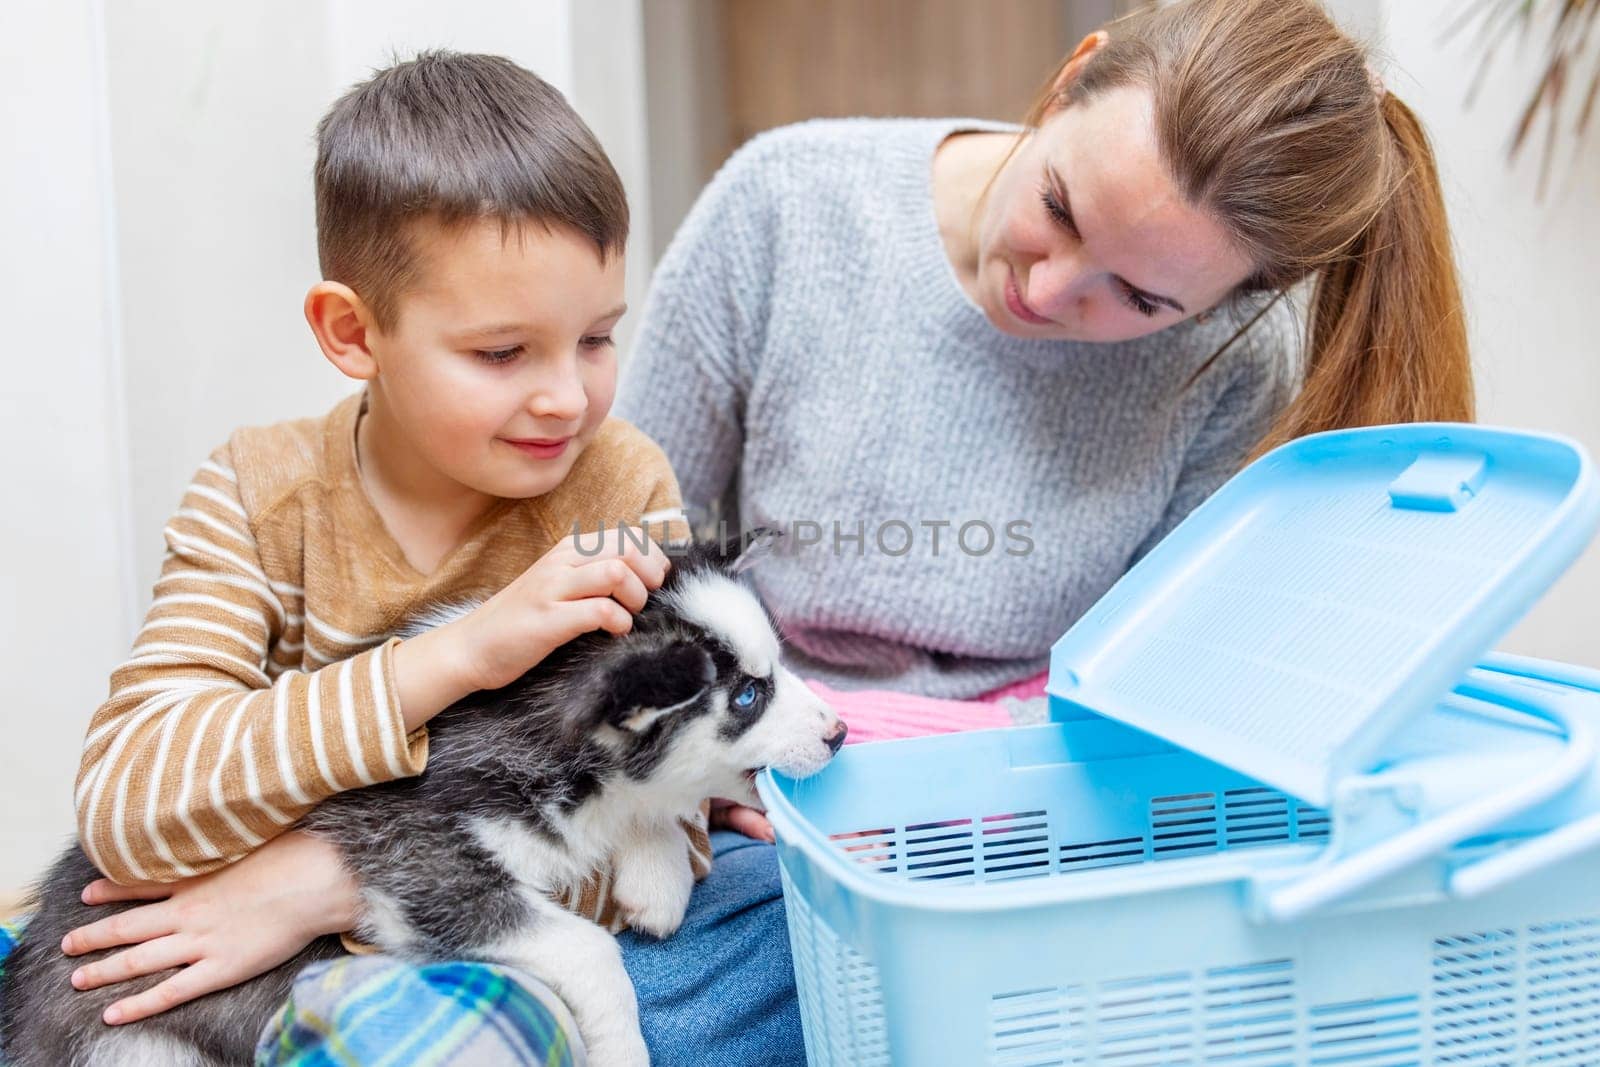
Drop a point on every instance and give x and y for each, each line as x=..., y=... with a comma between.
x=642, y=686
x=751, y=548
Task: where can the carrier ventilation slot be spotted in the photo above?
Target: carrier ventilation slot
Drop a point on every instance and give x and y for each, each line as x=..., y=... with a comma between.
x=1310, y=822
x=1038, y=1028
x=1250, y=1015
x=878, y=849
x=1237, y=1015
x=940, y=851
x=1015, y=846
x=994, y=848
x=1183, y=825
x=1112, y=852
x=1377, y=1032
x=1255, y=816
x=1023, y=844
x=1563, y=968
x=1475, y=999
x=1143, y=1022
x=841, y=998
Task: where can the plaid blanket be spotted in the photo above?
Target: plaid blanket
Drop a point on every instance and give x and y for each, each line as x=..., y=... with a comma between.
x=372, y=1010
x=10, y=930
x=366, y=1011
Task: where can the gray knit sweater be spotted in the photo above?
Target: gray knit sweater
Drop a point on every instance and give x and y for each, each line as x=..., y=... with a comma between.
x=807, y=356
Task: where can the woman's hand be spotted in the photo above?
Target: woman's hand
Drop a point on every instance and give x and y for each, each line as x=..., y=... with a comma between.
x=751, y=822
x=222, y=928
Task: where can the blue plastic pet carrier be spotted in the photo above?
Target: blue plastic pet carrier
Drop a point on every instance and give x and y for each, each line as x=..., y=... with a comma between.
x=1289, y=809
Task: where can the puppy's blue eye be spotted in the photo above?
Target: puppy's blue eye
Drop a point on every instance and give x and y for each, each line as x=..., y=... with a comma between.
x=746, y=696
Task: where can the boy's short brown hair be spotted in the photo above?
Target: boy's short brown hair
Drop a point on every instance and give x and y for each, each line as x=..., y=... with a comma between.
x=452, y=137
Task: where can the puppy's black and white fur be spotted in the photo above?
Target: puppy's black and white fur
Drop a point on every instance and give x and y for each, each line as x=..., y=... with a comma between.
x=590, y=760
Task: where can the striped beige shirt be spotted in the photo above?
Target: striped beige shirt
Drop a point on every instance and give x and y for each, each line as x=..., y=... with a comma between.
x=262, y=680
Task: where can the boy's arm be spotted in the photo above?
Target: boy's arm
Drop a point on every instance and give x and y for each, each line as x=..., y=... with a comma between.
x=205, y=749
x=203, y=752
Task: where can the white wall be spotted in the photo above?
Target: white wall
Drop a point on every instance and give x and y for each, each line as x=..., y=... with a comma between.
x=212, y=108
x=1531, y=270
x=64, y=528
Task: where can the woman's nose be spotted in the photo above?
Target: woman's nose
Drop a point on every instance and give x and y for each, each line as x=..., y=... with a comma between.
x=1053, y=283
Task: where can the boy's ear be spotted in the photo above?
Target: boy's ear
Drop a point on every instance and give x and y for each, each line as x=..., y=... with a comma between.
x=341, y=322
x=640, y=687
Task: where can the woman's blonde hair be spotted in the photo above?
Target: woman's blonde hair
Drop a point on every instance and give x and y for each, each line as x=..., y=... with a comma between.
x=1268, y=118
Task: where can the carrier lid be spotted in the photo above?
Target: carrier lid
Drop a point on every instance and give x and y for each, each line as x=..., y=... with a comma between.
x=1336, y=587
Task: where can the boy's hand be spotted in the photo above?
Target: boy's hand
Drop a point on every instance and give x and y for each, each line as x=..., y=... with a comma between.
x=564, y=594
x=222, y=928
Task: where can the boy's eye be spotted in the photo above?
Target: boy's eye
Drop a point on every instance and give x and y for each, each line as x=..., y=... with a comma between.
x=597, y=341
x=498, y=355
x=746, y=696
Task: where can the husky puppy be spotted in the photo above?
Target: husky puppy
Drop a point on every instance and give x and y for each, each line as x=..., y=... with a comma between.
x=590, y=760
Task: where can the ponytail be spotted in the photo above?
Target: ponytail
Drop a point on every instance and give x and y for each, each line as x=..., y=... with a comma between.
x=1387, y=340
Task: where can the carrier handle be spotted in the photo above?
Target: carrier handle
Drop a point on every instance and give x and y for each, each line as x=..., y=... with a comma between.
x=1542, y=670
x=1482, y=876
x=1347, y=875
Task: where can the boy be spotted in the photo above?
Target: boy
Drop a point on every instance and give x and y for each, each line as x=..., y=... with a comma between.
x=471, y=236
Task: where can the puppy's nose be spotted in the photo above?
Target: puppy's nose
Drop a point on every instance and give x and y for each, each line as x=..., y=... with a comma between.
x=836, y=739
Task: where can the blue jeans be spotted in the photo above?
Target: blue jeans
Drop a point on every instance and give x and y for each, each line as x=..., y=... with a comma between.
x=721, y=990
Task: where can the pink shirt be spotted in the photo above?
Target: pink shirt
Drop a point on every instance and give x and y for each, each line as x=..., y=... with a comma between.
x=884, y=715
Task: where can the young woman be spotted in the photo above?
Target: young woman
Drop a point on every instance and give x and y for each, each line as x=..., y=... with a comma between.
x=879, y=334
x=1078, y=324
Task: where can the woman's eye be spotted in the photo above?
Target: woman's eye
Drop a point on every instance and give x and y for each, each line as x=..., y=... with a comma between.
x=745, y=696
x=1136, y=300
x=494, y=356
x=1057, y=210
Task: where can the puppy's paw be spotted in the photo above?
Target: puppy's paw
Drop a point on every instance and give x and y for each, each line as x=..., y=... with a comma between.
x=617, y=1050
x=660, y=914
x=652, y=889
